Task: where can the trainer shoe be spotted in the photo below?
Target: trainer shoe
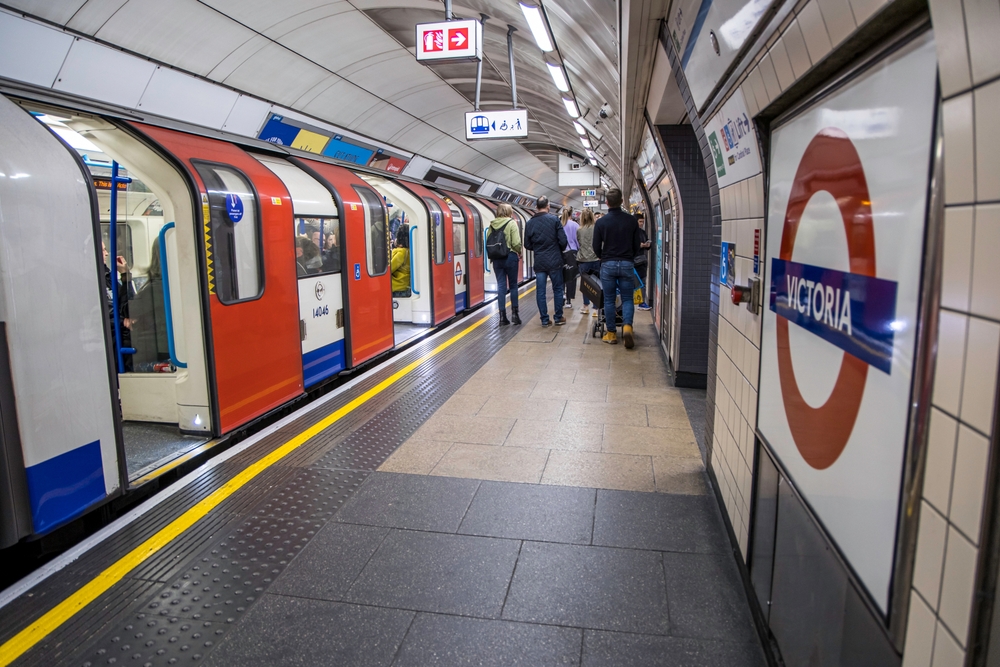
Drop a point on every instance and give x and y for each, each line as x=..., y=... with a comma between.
x=627, y=337
x=560, y=321
x=610, y=338
x=594, y=314
x=569, y=304
x=585, y=310
x=546, y=324
x=643, y=306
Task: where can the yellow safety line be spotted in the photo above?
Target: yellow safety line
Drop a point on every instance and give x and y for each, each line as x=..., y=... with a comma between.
x=65, y=610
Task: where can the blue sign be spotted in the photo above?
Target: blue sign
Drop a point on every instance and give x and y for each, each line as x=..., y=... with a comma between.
x=854, y=312
x=724, y=265
x=357, y=272
x=348, y=152
x=234, y=207
x=278, y=132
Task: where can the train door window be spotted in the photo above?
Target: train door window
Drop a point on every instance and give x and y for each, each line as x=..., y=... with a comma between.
x=377, y=231
x=234, y=233
x=124, y=240
x=317, y=246
x=477, y=233
x=458, y=230
x=437, y=230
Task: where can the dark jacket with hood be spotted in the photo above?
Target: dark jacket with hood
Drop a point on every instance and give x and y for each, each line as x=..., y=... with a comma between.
x=544, y=235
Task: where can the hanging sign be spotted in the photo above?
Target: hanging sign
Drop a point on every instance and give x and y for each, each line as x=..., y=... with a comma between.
x=588, y=193
x=507, y=124
x=591, y=203
x=449, y=40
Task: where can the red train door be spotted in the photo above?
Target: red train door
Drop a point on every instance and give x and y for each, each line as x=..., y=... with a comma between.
x=249, y=259
x=475, y=257
x=442, y=252
x=365, y=253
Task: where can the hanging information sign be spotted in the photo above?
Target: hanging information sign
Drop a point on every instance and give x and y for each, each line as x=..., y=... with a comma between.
x=508, y=124
x=449, y=40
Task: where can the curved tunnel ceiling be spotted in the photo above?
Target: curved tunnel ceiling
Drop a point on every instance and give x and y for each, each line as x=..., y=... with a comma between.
x=351, y=63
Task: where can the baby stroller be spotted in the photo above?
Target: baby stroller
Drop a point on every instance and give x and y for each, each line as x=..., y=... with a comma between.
x=591, y=286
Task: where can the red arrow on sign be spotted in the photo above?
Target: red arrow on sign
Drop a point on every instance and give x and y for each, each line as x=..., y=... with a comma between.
x=458, y=38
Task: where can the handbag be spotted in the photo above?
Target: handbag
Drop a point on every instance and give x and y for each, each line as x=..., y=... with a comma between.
x=637, y=292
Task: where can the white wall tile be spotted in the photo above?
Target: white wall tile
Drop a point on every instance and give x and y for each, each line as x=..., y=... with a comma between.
x=982, y=23
x=956, y=272
x=957, y=585
x=971, y=458
x=919, y=645
x=839, y=19
x=795, y=45
x=952, y=48
x=959, y=151
x=770, y=77
x=755, y=80
x=988, y=142
x=947, y=653
x=782, y=64
x=979, y=385
x=950, y=361
x=865, y=9
x=929, y=561
x=941, y=439
x=985, y=295
x=752, y=108
x=814, y=31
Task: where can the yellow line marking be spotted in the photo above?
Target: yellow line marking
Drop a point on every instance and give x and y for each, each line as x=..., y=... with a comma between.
x=17, y=645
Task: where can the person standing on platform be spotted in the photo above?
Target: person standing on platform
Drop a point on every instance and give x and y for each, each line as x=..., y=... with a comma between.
x=616, y=243
x=503, y=247
x=545, y=236
x=642, y=259
x=570, y=270
x=587, y=261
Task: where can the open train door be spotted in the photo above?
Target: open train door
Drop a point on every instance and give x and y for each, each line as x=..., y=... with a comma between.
x=249, y=262
x=365, y=253
x=475, y=255
x=442, y=252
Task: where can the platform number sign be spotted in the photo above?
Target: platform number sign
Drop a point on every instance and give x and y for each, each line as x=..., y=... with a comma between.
x=357, y=272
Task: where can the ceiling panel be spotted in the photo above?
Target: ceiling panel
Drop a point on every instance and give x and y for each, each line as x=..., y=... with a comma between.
x=276, y=74
x=57, y=11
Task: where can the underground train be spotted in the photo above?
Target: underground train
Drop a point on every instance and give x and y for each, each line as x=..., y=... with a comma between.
x=237, y=276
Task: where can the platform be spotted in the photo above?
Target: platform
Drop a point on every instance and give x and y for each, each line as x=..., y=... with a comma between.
x=493, y=496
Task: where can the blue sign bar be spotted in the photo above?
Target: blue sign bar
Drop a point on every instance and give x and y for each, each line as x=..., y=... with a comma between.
x=854, y=312
x=278, y=132
x=348, y=152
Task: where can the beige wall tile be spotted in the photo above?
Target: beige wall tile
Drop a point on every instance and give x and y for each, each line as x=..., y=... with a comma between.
x=917, y=651
x=865, y=9
x=971, y=459
x=782, y=64
x=929, y=562
x=982, y=24
x=767, y=72
x=952, y=48
x=500, y=464
x=795, y=45
x=979, y=384
x=956, y=273
x=602, y=471
x=751, y=100
x=947, y=652
x=957, y=584
x=987, y=101
x=814, y=31
x=839, y=19
x=985, y=295
x=940, y=460
x=759, y=91
x=959, y=152
x=950, y=361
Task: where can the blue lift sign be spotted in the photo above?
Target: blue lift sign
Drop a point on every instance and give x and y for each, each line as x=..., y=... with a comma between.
x=507, y=124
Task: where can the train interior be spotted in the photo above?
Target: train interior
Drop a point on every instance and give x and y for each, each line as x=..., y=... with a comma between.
x=162, y=385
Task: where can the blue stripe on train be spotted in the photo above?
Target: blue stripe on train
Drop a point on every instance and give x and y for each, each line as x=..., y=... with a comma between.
x=323, y=362
x=460, y=302
x=63, y=487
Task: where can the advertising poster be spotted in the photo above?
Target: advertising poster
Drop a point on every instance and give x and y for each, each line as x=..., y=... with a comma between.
x=733, y=141
x=842, y=265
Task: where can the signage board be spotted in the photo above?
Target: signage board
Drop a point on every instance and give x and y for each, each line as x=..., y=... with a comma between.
x=733, y=141
x=291, y=132
x=449, y=40
x=507, y=124
x=591, y=203
x=843, y=259
x=588, y=193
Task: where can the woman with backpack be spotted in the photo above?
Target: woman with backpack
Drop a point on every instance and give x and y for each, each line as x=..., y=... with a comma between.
x=503, y=248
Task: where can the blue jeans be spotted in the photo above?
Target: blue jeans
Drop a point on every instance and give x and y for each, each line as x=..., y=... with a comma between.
x=557, y=293
x=589, y=267
x=616, y=276
x=506, y=275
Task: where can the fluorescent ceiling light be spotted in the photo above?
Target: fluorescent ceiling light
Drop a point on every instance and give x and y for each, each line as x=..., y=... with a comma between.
x=533, y=15
x=593, y=161
x=591, y=155
x=571, y=107
x=585, y=141
x=579, y=129
x=559, y=77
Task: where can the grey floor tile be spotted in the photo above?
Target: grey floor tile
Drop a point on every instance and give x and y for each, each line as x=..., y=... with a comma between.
x=451, y=574
x=659, y=521
x=619, y=649
x=292, y=631
x=410, y=501
x=707, y=599
x=589, y=587
x=531, y=512
x=330, y=562
x=455, y=641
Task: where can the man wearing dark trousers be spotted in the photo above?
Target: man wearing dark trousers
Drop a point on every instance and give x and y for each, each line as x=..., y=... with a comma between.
x=544, y=235
x=616, y=243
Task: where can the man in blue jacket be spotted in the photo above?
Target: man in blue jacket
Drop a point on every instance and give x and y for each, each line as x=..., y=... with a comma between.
x=616, y=243
x=544, y=235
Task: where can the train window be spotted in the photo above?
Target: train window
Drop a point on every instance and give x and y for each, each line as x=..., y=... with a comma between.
x=477, y=233
x=124, y=241
x=458, y=232
x=317, y=246
x=234, y=233
x=378, y=231
x=437, y=230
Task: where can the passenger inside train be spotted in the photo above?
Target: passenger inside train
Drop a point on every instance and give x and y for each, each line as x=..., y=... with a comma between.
x=400, y=263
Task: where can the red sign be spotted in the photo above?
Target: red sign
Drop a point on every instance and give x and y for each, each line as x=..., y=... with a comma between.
x=458, y=38
x=434, y=40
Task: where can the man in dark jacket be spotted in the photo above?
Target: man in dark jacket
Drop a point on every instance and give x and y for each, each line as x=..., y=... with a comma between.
x=616, y=243
x=544, y=235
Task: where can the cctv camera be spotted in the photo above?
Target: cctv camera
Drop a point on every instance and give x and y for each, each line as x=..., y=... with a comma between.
x=605, y=111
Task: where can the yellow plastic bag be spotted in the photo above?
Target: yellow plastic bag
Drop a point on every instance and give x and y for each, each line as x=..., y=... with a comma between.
x=637, y=296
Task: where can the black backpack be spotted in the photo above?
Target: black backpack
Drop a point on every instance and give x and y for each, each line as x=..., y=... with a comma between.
x=496, y=243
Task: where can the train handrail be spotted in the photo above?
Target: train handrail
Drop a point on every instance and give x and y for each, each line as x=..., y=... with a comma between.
x=165, y=275
x=486, y=261
x=413, y=269
x=120, y=351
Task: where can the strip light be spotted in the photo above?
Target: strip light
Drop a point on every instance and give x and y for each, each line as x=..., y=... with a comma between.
x=585, y=141
x=533, y=15
x=559, y=77
x=579, y=129
x=571, y=107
